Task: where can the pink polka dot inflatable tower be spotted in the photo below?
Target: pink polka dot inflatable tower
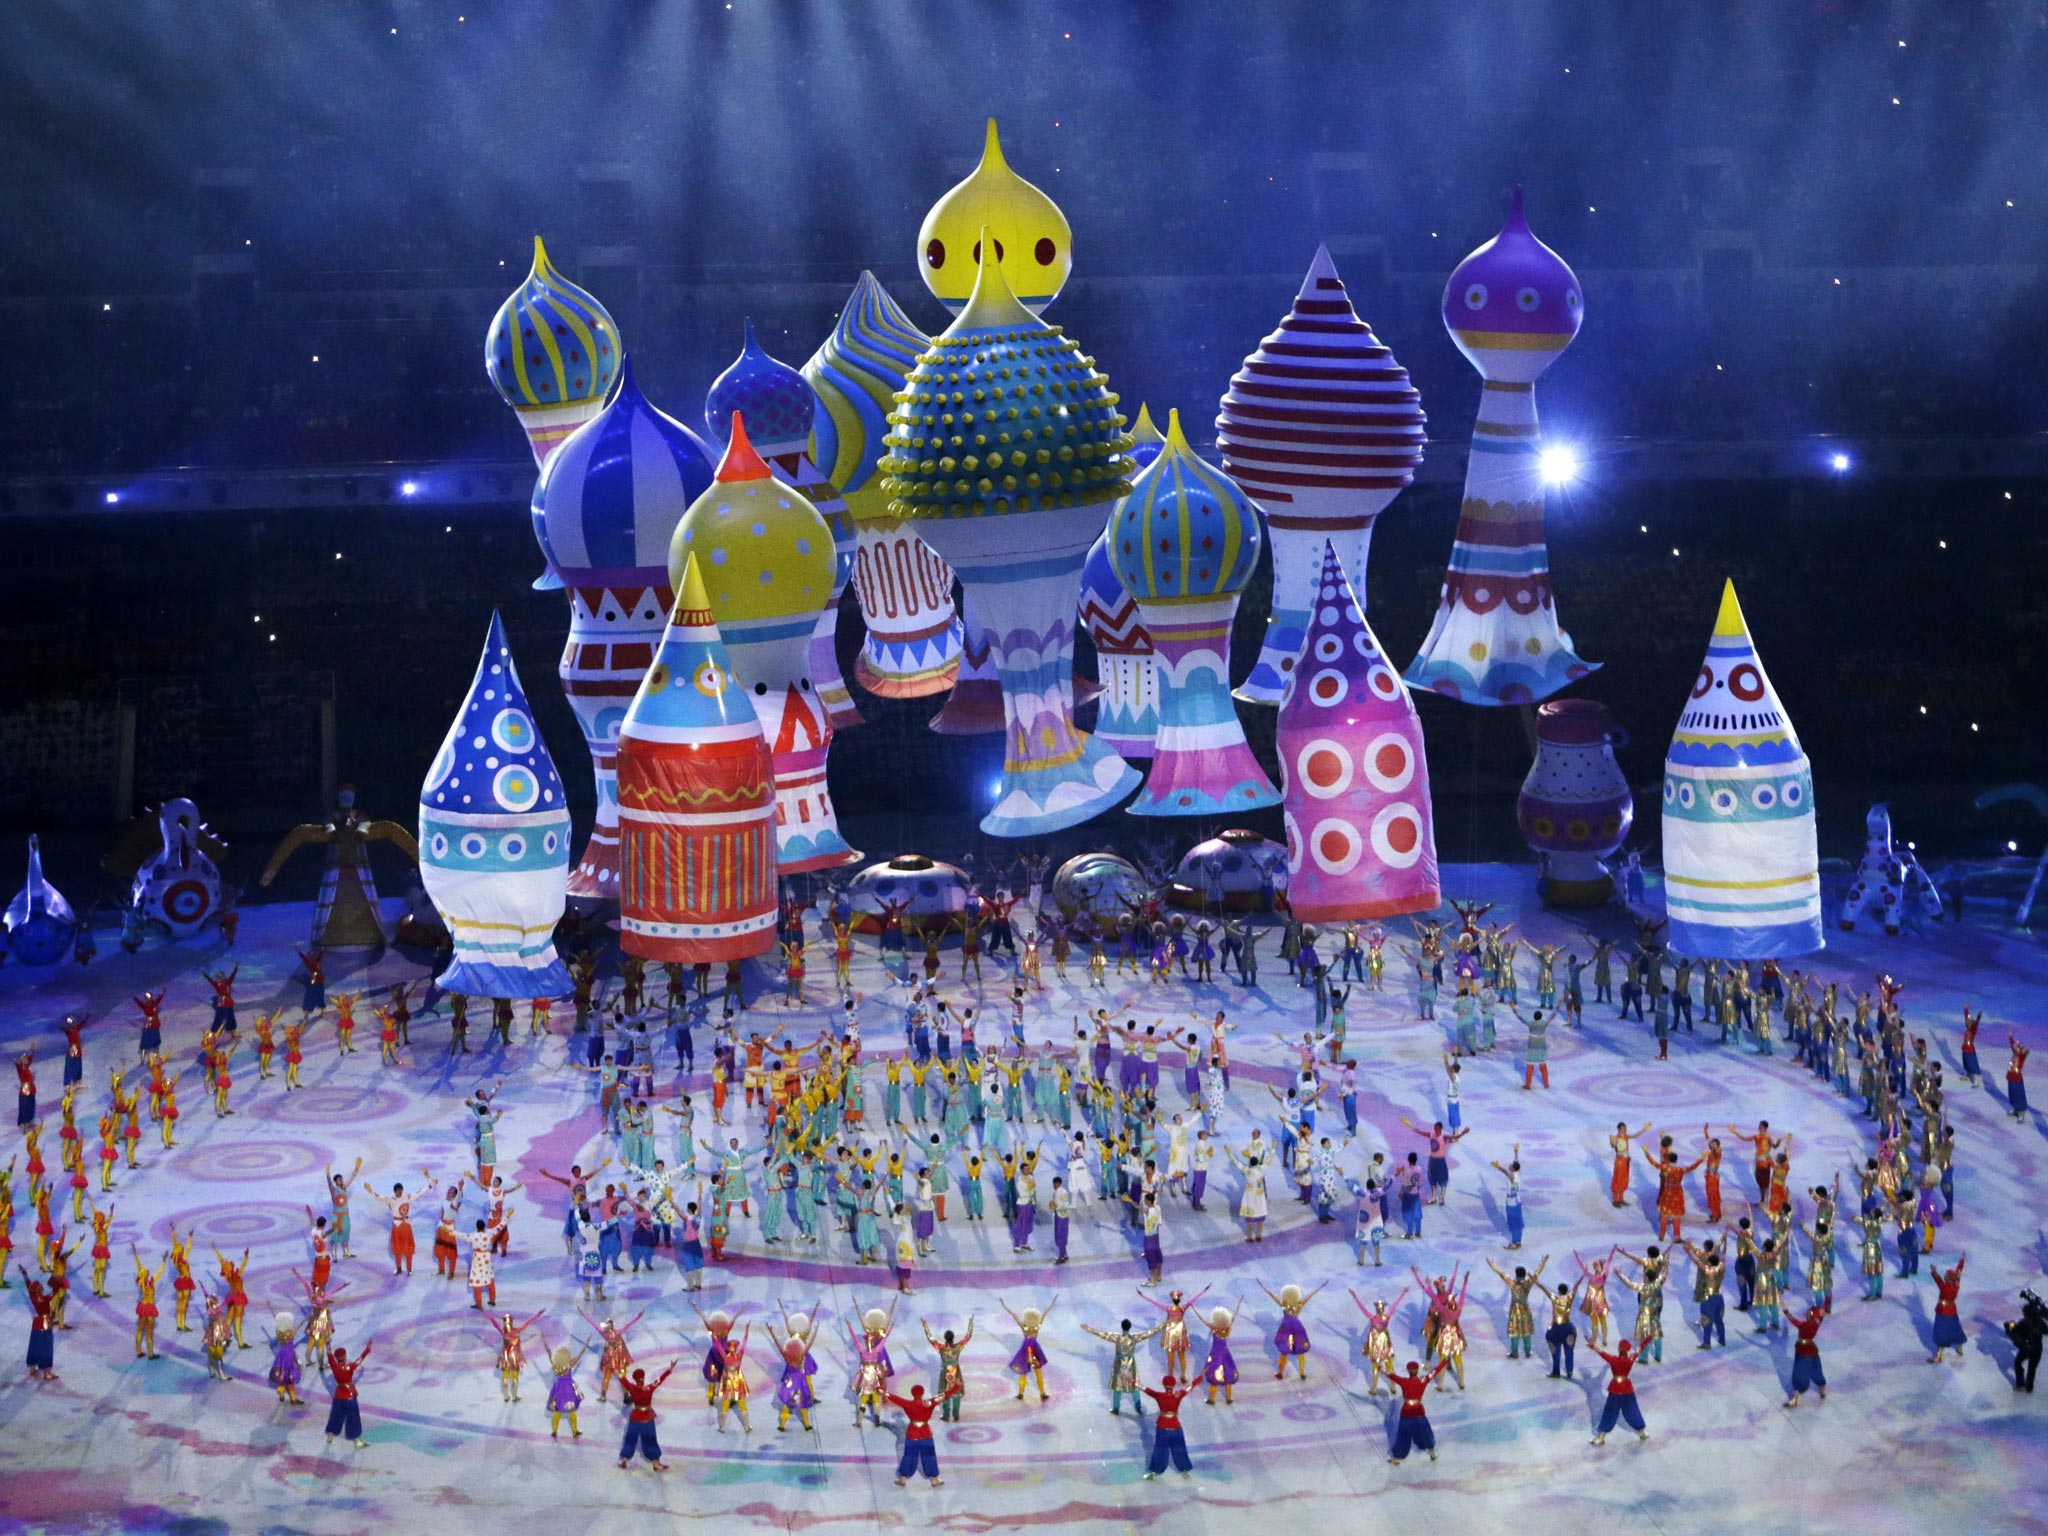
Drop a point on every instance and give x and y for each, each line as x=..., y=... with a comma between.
x=1361, y=842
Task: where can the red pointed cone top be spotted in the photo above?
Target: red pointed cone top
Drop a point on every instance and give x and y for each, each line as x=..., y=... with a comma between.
x=740, y=461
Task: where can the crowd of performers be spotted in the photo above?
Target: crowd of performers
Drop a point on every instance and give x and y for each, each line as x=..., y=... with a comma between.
x=822, y=1145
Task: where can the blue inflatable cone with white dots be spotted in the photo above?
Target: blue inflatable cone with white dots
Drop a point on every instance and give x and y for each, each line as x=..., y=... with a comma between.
x=494, y=839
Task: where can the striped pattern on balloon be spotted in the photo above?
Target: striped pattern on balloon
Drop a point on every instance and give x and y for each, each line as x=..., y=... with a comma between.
x=552, y=352
x=1741, y=846
x=696, y=800
x=1184, y=543
x=608, y=504
x=1512, y=307
x=1127, y=711
x=1323, y=429
x=905, y=590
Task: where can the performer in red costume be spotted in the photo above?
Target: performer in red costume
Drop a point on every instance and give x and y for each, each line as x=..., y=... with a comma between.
x=1806, y=1371
x=639, y=1394
x=1621, y=1393
x=1948, y=1327
x=1168, y=1438
x=345, y=1417
x=920, y=1452
x=1413, y=1432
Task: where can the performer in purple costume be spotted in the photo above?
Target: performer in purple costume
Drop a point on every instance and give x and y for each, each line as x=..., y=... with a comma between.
x=1220, y=1368
x=1291, y=1338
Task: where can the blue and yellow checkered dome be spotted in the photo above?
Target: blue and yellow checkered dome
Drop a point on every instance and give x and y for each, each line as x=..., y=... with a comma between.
x=774, y=400
x=1186, y=532
x=551, y=342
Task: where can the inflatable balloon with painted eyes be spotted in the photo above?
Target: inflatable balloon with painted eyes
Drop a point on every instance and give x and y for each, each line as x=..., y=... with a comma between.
x=494, y=839
x=1025, y=230
x=696, y=800
x=1512, y=307
x=1741, y=851
x=1361, y=837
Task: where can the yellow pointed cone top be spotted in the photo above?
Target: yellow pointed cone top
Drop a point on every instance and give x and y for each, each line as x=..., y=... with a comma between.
x=542, y=267
x=1176, y=441
x=693, y=602
x=1144, y=430
x=993, y=303
x=1729, y=622
x=992, y=151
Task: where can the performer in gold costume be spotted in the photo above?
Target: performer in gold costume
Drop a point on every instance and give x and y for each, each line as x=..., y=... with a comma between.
x=346, y=915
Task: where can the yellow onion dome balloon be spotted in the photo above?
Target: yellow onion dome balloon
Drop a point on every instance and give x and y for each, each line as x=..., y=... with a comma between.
x=765, y=551
x=1004, y=415
x=1032, y=241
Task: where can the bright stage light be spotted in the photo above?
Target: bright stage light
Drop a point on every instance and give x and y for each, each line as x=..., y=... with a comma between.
x=1839, y=463
x=409, y=488
x=1558, y=464
x=113, y=498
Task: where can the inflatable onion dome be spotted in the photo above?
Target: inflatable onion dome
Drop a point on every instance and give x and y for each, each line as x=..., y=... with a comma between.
x=1321, y=405
x=765, y=551
x=772, y=397
x=856, y=375
x=1513, y=305
x=1146, y=439
x=1185, y=533
x=493, y=762
x=690, y=693
x=1004, y=414
x=612, y=495
x=1107, y=608
x=1028, y=232
x=551, y=343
